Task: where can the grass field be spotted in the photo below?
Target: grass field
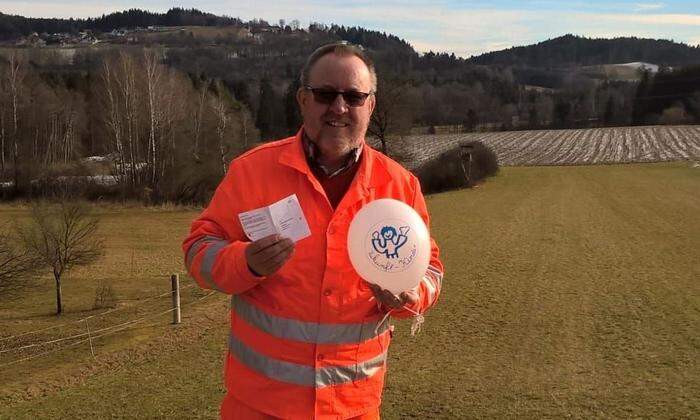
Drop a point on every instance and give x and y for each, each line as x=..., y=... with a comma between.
x=569, y=292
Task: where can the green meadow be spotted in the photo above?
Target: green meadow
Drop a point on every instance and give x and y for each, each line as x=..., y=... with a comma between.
x=569, y=292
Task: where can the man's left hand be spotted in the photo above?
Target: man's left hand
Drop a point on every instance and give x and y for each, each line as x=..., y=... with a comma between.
x=390, y=300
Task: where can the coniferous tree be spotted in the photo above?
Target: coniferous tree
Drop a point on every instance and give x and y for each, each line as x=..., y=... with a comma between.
x=266, y=109
x=291, y=108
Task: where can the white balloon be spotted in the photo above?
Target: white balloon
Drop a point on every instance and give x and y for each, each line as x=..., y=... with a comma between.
x=389, y=245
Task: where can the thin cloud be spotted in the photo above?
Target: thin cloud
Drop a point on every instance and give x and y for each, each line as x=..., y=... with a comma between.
x=646, y=7
x=656, y=19
x=63, y=10
x=440, y=26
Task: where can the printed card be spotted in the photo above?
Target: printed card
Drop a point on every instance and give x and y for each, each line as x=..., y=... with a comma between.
x=284, y=217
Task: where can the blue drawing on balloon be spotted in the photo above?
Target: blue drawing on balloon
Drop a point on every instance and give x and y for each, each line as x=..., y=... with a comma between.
x=388, y=241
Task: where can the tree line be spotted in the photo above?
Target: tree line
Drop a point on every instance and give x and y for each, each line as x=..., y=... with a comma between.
x=426, y=90
x=159, y=134
x=537, y=86
x=170, y=117
x=669, y=97
x=12, y=26
x=571, y=50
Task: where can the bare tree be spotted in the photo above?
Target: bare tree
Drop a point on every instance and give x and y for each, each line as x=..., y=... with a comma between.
x=2, y=144
x=58, y=120
x=3, y=131
x=198, y=117
x=393, y=113
x=15, y=265
x=15, y=77
x=122, y=100
x=153, y=75
x=173, y=108
x=113, y=119
x=131, y=98
x=220, y=110
x=60, y=237
x=125, y=113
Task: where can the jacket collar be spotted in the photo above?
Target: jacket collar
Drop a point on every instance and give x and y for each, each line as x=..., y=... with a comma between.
x=311, y=152
x=371, y=173
x=293, y=155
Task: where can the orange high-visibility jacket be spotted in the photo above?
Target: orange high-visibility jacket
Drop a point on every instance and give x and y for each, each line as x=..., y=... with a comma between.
x=303, y=341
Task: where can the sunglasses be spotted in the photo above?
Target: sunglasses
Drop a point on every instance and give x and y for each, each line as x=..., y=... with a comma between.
x=327, y=96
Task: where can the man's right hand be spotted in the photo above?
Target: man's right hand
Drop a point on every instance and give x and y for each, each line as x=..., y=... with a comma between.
x=267, y=255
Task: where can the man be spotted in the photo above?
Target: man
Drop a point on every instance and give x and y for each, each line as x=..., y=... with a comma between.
x=306, y=340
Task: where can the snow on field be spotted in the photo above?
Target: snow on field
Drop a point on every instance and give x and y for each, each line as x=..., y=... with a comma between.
x=104, y=180
x=654, y=68
x=565, y=147
x=95, y=159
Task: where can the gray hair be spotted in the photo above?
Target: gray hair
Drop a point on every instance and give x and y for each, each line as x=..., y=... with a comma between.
x=341, y=48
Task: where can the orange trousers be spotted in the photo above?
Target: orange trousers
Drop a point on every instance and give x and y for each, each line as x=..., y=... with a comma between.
x=232, y=409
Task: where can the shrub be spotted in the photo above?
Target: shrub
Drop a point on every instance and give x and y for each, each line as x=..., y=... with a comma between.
x=105, y=297
x=452, y=169
x=675, y=115
x=484, y=160
x=195, y=184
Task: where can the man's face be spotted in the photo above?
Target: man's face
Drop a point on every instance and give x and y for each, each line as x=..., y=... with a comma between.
x=336, y=128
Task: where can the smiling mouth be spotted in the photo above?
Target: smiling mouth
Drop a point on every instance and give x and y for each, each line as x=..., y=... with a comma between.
x=336, y=124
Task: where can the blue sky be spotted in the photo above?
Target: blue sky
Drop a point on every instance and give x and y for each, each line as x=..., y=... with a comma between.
x=463, y=27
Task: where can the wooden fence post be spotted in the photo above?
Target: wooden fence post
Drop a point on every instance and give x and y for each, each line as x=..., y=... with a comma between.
x=465, y=151
x=92, y=350
x=175, y=280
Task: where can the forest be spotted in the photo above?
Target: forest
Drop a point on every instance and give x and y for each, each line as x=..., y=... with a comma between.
x=130, y=121
x=157, y=111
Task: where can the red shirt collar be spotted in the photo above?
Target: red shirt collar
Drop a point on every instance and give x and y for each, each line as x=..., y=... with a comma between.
x=312, y=152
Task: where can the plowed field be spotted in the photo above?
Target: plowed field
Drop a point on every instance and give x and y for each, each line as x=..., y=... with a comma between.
x=567, y=147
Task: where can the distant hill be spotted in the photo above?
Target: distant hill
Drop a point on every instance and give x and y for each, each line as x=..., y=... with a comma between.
x=565, y=82
x=571, y=50
x=14, y=26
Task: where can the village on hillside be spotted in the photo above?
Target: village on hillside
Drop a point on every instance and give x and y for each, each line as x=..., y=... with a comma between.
x=253, y=31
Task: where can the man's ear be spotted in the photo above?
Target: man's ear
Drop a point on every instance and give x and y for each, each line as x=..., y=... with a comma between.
x=372, y=103
x=301, y=97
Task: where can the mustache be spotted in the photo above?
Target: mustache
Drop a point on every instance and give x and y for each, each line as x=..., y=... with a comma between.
x=330, y=116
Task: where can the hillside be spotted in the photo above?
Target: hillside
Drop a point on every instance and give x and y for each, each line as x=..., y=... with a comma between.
x=570, y=50
x=13, y=26
x=136, y=22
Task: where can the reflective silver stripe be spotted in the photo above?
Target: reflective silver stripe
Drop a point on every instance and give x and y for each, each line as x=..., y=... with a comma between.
x=438, y=276
x=335, y=375
x=301, y=374
x=275, y=369
x=431, y=288
x=196, y=246
x=306, y=332
x=208, y=261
